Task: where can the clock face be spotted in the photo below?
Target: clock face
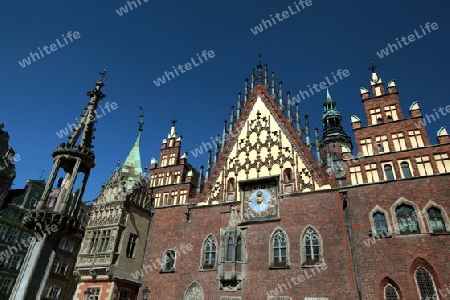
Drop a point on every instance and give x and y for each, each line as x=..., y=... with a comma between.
x=259, y=200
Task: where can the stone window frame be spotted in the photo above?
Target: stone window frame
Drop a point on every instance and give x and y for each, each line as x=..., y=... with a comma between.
x=432, y=204
x=271, y=249
x=375, y=210
x=393, y=287
x=303, y=248
x=202, y=253
x=432, y=281
x=163, y=268
x=189, y=290
x=391, y=164
x=400, y=162
x=400, y=201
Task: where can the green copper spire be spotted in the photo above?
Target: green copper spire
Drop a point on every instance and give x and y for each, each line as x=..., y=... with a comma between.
x=328, y=95
x=132, y=167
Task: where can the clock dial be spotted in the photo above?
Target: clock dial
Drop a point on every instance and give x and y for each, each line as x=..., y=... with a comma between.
x=259, y=200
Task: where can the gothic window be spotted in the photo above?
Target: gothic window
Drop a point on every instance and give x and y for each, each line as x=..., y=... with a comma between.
x=177, y=177
x=94, y=241
x=209, y=253
x=407, y=219
x=131, y=245
x=230, y=247
x=390, y=293
x=238, y=256
x=388, y=174
x=158, y=199
x=168, y=262
x=168, y=178
x=194, y=292
x=105, y=241
x=166, y=199
x=425, y=284
x=234, y=249
x=381, y=227
x=436, y=220
x=311, y=248
x=279, y=250
x=405, y=169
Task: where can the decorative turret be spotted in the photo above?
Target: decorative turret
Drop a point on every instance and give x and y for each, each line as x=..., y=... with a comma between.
x=74, y=157
x=333, y=133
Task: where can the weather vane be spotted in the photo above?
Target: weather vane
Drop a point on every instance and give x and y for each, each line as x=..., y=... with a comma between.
x=372, y=67
x=102, y=74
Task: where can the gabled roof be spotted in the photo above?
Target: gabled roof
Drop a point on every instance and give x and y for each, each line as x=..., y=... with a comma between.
x=260, y=92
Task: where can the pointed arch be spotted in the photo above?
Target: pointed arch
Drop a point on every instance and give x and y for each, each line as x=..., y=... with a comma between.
x=379, y=222
x=208, y=255
x=421, y=263
x=406, y=217
x=279, y=249
x=194, y=292
x=435, y=220
x=390, y=290
x=311, y=247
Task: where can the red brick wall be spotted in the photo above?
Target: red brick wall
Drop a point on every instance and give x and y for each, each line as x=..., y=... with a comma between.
x=323, y=210
x=394, y=257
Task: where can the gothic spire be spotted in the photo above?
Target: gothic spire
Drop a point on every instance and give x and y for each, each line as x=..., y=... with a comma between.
x=132, y=167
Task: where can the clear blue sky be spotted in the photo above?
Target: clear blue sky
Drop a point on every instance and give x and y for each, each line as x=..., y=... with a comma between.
x=138, y=47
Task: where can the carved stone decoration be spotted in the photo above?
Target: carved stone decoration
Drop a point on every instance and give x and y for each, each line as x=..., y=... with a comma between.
x=194, y=292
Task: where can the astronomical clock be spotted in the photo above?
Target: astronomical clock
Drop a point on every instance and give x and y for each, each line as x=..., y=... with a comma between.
x=259, y=199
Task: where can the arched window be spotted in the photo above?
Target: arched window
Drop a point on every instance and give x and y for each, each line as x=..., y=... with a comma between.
x=388, y=172
x=209, y=253
x=407, y=219
x=311, y=247
x=436, y=220
x=239, y=249
x=230, y=249
x=405, y=169
x=279, y=249
x=168, y=261
x=194, y=292
x=380, y=223
x=425, y=284
x=390, y=293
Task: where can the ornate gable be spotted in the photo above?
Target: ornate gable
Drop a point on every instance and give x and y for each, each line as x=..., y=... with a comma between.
x=263, y=143
x=114, y=191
